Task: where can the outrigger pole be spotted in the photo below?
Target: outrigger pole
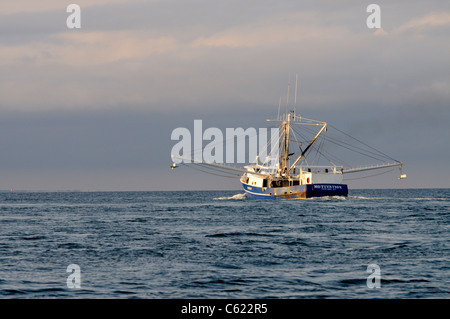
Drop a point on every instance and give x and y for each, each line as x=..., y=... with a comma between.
x=368, y=168
x=235, y=169
x=324, y=128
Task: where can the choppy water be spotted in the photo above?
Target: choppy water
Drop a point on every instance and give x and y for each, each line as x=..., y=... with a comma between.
x=222, y=245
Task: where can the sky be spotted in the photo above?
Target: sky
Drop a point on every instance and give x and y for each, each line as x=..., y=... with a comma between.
x=93, y=109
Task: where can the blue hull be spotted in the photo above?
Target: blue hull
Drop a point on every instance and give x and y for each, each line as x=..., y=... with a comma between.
x=295, y=192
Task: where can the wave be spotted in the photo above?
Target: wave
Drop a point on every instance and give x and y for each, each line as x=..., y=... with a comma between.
x=237, y=196
x=237, y=234
x=398, y=198
x=327, y=198
x=359, y=197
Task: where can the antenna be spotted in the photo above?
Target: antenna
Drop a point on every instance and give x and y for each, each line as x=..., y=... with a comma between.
x=279, y=105
x=287, y=99
x=295, y=99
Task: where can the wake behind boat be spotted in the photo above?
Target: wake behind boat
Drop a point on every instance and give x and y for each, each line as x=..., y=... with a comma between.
x=287, y=172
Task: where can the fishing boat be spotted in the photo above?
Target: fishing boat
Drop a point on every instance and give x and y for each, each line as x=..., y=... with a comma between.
x=286, y=172
x=296, y=179
x=286, y=180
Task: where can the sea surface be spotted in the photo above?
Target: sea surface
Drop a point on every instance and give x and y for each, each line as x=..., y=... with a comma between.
x=219, y=244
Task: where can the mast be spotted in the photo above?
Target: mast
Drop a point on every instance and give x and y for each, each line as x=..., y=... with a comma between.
x=287, y=98
x=284, y=154
x=287, y=142
x=284, y=157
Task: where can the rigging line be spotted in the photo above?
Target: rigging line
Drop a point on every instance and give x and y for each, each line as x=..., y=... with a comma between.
x=336, y=158
x=355, y=149
x=219, y=169
x=307, y=140
x=319, y=152
x=303, y=159
x=266, y=147
x=198, y=169
x=298, y=143
x=314, y=152
x=365, y=144
x=311, y=146
x=327, y=155
x=377, y=151
x=359, y=151
x=273, y=146
x=352, y=179
x=341, y=143
x=225, y=141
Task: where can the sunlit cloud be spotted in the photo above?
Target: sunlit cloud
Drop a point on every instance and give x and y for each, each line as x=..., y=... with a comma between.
x=30, y=6
x=426, y=23
x=88, y=48
x=107, y=47
x=380, y=32
x=191, y=65
x=277, y=31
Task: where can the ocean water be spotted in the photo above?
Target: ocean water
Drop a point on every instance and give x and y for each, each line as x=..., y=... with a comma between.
x=212, y=244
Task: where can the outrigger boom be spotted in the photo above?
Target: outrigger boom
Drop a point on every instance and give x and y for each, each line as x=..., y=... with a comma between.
x=368, y=168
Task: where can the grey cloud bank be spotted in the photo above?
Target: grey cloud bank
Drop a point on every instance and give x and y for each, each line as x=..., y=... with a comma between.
x=94, y=108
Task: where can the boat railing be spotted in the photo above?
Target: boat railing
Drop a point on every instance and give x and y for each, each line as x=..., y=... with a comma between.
x=319, y=168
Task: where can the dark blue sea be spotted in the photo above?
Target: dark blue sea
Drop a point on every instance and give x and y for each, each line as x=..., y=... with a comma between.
x=218, y=244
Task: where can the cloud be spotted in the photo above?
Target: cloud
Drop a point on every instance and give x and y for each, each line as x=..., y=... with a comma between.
x=32, y=6
x=425, y=23
x=88, y=48
x=380, y=32
x=227, y=61
x=290, y=28
x=184, y=61
x=83, y=49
